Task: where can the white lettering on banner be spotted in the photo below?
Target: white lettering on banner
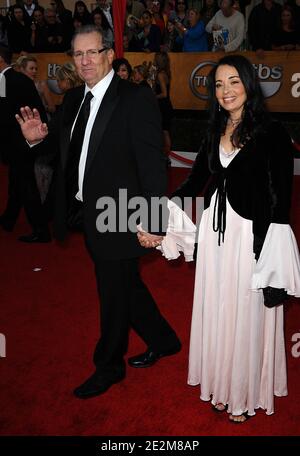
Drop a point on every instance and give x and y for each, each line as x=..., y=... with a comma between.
x=270, y=78
x=2, y=346
x=52, y=69
x=296, y=87
x=266, y=72
x=296, y=346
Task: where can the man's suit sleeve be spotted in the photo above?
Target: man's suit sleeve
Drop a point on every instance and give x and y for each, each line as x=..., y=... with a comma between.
x=147, y=135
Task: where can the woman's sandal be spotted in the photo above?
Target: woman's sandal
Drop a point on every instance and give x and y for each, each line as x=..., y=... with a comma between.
x=245, y=415
x=221, y=409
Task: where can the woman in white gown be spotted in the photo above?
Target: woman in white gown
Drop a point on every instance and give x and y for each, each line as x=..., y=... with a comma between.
x=247, y=258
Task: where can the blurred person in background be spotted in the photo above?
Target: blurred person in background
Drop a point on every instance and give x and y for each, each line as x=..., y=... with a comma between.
x=39, y=33
x=56, y=37
x=263, y=22
x=19, y=90
x=123, y=68
x=232, y=22
x=27, y=64
x=194, y=37
x=67, y=77
x=140, y=74
x=100, y=20
x=161, y=89
x=148, y=39
x=170, y=42
x=18, y=30
x=287, y=36
x=63, y=16
x=43, y=166
x=180, y=13
x=209, y=9
x=82, y=13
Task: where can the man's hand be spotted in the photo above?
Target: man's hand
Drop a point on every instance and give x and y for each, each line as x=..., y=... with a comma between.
x=33, y=129
x=149, y=240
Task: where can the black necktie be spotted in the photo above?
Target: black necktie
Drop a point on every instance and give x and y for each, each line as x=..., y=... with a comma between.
x=74, y=209
x=76, y=147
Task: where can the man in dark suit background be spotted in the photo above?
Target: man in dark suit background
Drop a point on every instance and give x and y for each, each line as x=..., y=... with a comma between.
x=120, y=148
x=18, y=90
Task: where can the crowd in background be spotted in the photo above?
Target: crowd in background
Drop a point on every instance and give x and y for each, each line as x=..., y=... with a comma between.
x=159, y=25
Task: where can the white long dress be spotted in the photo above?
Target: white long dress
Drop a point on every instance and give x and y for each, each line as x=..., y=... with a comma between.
x=237, y=350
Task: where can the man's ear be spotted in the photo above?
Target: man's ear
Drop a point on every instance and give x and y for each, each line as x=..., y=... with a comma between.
x=111, y=55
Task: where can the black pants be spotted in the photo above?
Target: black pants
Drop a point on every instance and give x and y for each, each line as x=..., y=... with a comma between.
x=23, y=192
x=126, y=302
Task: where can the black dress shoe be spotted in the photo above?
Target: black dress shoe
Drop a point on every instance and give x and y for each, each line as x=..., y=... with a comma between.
x=97, y=384
x=35, y=237
x=150, y=357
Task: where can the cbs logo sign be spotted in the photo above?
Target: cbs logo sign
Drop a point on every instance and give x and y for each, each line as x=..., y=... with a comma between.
x=270, y=79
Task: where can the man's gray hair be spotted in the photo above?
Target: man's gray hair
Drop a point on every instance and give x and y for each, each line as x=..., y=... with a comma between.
x=91, y=28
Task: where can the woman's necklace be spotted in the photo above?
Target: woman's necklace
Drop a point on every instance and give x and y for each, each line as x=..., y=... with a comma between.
x=234, y=122
x=228, y=154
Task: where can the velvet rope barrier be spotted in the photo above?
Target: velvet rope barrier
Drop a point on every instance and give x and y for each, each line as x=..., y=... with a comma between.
x=187, y=161
x=296, y=145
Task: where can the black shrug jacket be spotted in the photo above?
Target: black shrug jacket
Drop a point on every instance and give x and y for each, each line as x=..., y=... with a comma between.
x=257, y=182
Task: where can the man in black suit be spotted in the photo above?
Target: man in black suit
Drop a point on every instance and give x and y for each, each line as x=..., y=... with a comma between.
x=19, y=90
x=29, y=7
x=120, y=148
x=107, y=11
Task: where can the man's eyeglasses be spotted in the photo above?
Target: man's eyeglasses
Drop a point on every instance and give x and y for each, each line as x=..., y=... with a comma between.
x=90, y=53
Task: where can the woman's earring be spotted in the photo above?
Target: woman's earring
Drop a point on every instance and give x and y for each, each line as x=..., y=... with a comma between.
x=219, y=108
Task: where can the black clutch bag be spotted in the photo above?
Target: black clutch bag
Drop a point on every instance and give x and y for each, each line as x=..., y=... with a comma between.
x=274, y=296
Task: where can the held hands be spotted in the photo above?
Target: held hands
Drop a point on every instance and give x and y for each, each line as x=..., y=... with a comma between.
x=148, y=240
x=33, y=129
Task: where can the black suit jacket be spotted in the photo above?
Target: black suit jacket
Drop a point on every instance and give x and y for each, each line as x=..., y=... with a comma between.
x=125, y=152
x=20, y=91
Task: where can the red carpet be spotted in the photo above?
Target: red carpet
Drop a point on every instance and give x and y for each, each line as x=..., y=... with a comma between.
x=50, y=321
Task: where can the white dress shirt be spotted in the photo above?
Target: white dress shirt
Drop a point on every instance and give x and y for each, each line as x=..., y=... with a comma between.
x=98, y=92
x=107, y=14
x=29, y=9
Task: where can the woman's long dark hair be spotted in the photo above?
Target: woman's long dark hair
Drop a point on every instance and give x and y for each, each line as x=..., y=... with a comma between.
x=254, y=117
x=104, y=22
x=85, y=18
x=121, y=61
